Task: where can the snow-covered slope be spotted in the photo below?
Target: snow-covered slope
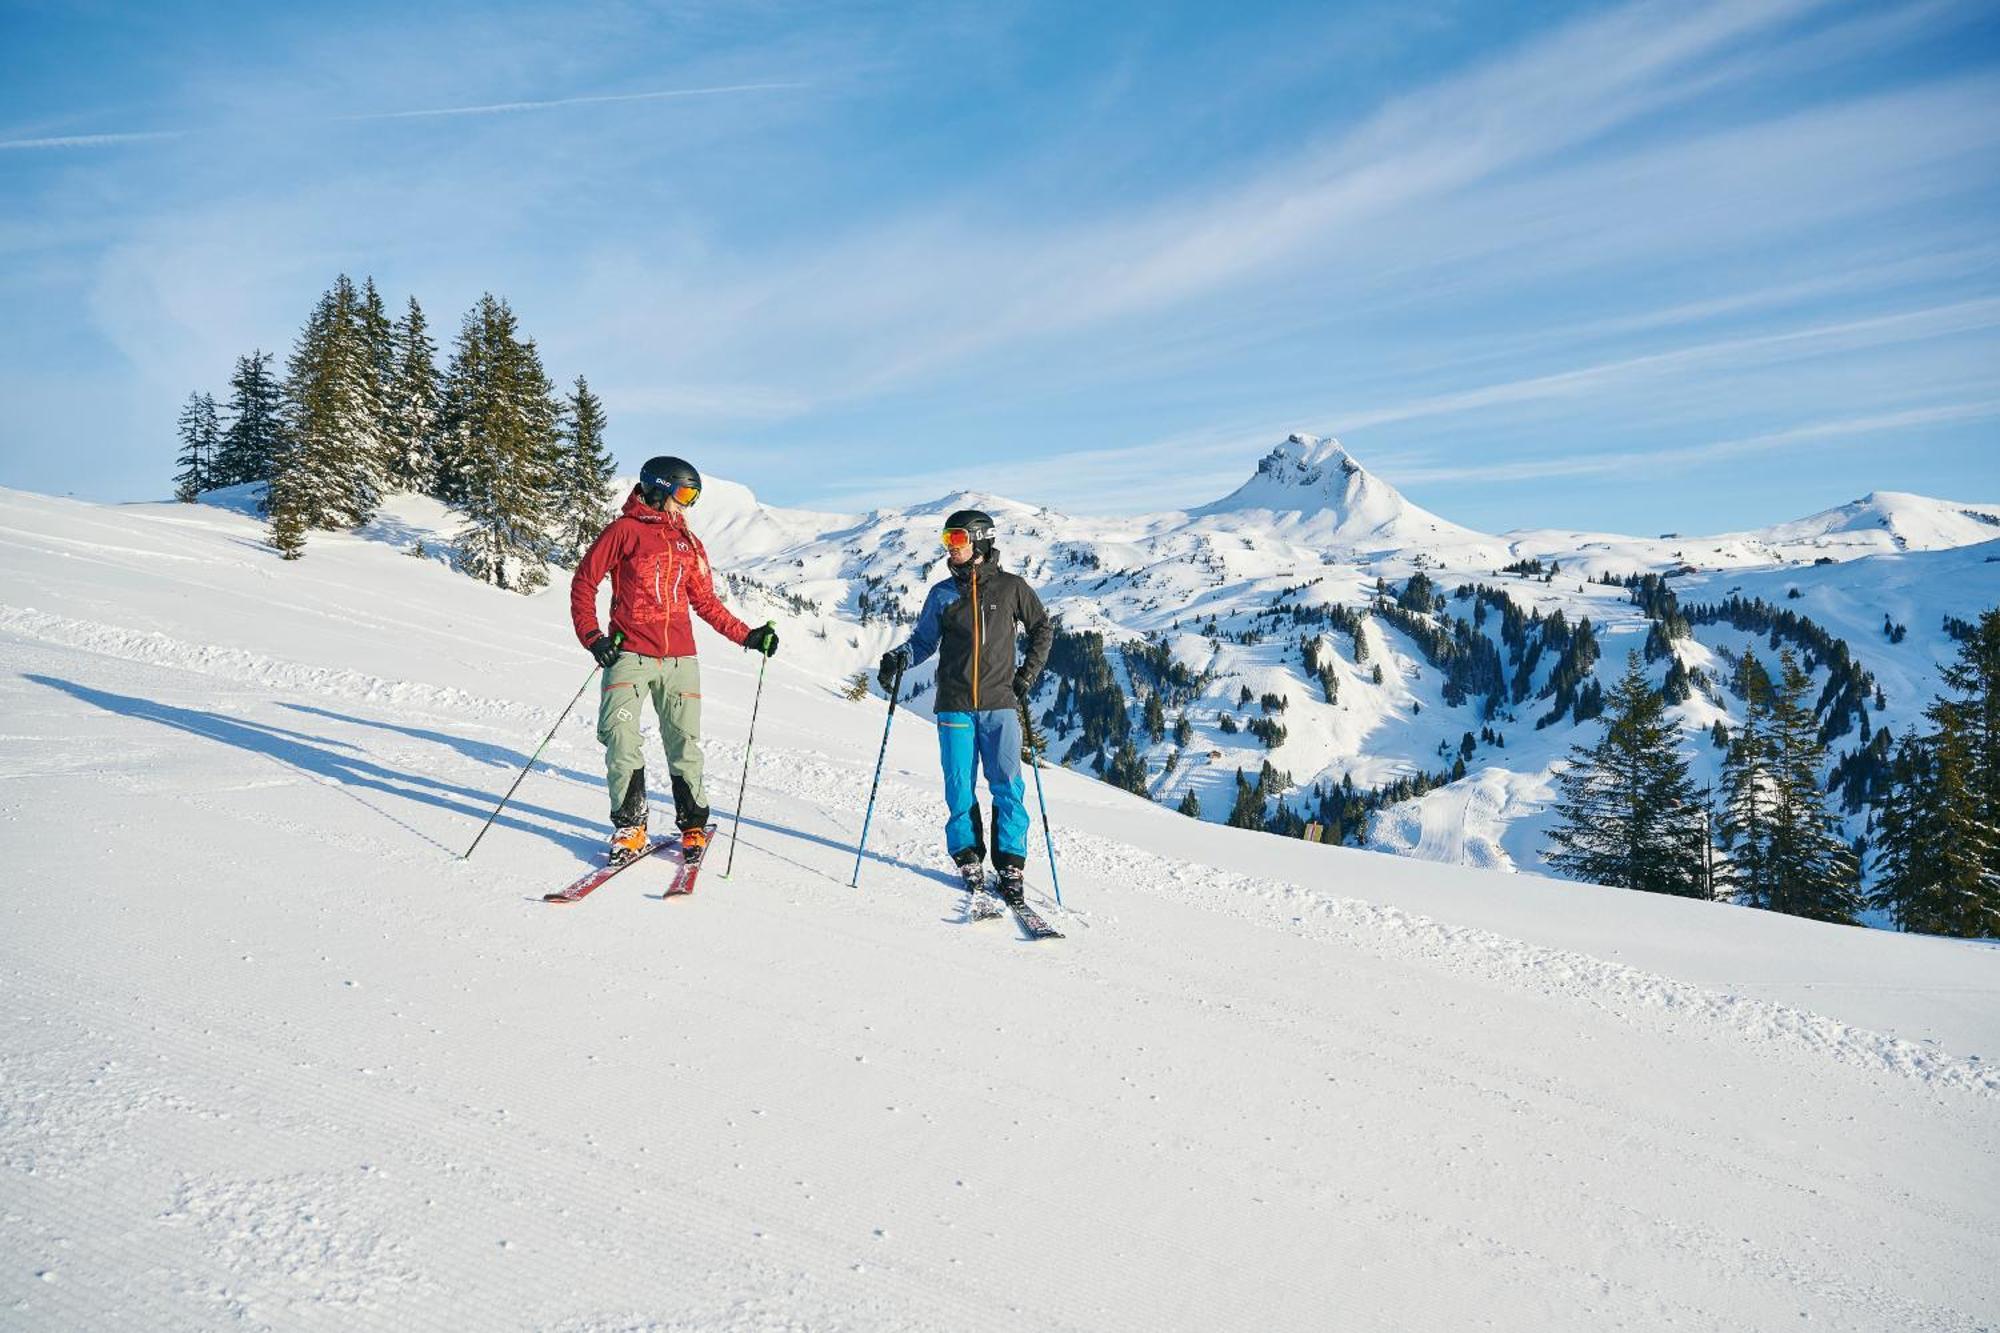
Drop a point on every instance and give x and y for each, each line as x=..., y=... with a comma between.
x=273, y=1057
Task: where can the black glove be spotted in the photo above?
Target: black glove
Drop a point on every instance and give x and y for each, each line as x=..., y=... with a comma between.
x=1024, y=684
x=607, y=648
x=893, y=663
x=763, y=640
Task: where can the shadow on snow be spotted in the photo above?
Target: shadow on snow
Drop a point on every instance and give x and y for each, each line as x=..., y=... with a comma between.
x=323, y=758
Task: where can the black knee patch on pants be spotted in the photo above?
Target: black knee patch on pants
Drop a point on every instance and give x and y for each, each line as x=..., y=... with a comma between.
x=686, y=813
x=631, y=811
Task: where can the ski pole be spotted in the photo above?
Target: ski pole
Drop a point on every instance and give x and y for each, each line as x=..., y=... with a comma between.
x=1048, y=834
x=895, y=688
x=617, y=637
x=749, y=738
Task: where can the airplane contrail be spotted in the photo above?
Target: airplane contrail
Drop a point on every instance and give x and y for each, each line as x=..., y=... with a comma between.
x=495, y=108
x=487, y=109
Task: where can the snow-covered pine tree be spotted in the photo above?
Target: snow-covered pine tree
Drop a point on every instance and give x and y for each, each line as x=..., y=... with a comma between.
x=499, y=432
x=333, y=415
x=413, y=405
x=1814, y=872
x=583, y=488
x=200, y=438
x=378, y=340
x=255, y=435
x=1744, y=828
x=1628, y=812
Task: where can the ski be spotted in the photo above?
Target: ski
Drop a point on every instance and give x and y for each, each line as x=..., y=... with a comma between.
x=583, y=888
x=1031, y=920
x=689, y=871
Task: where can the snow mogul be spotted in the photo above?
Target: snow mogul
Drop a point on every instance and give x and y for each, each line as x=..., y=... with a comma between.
x=658, y=571
x=969, y=620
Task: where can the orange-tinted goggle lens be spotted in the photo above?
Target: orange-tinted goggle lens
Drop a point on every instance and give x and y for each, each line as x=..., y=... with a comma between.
x=957, y=539
x=686, y=494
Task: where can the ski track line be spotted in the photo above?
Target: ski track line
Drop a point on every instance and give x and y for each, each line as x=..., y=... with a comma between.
x=152, y=648
x=1623, y=990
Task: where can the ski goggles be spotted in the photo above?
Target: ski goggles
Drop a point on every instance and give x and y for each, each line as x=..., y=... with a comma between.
x=957, y=539
x=684, y=494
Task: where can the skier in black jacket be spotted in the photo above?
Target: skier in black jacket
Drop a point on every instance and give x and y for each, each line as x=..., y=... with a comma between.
x=969, y=620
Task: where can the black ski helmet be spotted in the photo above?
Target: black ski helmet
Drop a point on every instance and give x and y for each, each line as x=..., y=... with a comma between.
x=661, y=475
x=979, y=524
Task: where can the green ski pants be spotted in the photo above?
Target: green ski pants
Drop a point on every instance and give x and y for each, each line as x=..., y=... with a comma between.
x=673, y=687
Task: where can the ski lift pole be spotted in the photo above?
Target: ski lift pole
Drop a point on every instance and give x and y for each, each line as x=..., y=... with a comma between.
x=617, y=637
x=1048, y=834
x=895, y=689
x=749, y=738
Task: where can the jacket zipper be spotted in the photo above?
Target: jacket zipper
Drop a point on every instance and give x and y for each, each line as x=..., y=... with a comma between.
x=975, y=641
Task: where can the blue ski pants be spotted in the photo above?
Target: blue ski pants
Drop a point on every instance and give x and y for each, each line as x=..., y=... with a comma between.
x=988, y=739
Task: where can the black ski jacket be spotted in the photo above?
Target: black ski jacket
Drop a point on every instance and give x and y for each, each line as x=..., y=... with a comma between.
x=969, y=620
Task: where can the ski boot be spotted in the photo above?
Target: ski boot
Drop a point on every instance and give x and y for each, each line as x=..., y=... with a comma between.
x=972, y=876
x=694, y=842
x=1013, y=886
x=627, y=841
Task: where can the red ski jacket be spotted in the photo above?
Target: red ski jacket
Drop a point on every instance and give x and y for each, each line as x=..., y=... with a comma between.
x=658, y=570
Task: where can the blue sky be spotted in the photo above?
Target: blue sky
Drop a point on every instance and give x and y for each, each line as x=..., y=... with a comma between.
x=1647, y=267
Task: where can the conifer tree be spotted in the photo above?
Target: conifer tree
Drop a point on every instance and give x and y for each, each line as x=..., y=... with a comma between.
x=1799, y=862
x=1938, y=831
x=284, y=507
x=333, y=415
x=1975, y=677
x=1190, y=804
x=1819, y=874
x=1627, y=807
x=500, y=449
x=255, y=435
x=200, y=438
x=412, y=422
x=1745, y=825
x=378, y=341
x=583, y=487
x=1248, y=809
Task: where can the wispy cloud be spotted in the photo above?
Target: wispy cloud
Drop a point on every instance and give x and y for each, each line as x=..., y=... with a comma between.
x=1902, y=326
x=911, y=296
x=1653, y=462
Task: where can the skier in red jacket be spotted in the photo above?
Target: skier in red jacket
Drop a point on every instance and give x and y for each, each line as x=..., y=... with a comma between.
x=658, y=570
